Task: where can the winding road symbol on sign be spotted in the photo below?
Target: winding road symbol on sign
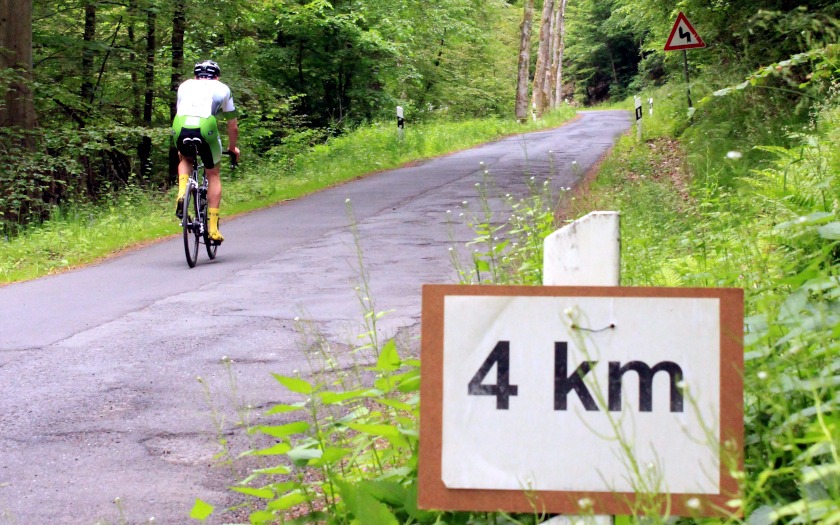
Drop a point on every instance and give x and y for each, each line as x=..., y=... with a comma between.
x=683, y=36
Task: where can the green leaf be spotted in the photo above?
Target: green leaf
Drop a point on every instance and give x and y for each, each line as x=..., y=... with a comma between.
x=334, y=398
x=389, y=359
x=294, y=384
x=278, y=470
x=330, y=456
x=393, y=403
x=287, y=501
x=302, y=455
x=482, y=265
x=364, y=507
x=281, y=431
x=201, y=510
x=385, y=384
x=261, y=516
x=277, y=450
x=410, y=385
x=389, y=492
x=410, y=505
x=263, y=493
x=282, y=409
x=389, y=432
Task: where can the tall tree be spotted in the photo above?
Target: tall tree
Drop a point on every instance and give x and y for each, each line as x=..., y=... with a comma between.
x=18, y=109
x=136, y=87
x=557, y=61
x=179, y=22
x=88, y=53
x=538, y=96
x=524, y=61
x=149, y=98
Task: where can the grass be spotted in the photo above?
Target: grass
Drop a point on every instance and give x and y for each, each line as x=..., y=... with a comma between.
x=747, y=198
x=81, y=234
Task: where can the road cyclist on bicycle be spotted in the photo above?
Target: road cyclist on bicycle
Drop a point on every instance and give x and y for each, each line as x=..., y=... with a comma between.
x=200, y=99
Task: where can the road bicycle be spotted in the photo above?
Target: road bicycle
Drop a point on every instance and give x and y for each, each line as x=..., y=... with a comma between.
x=194, y=208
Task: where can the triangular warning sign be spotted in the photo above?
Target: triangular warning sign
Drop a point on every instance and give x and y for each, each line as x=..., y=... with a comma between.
x=683, y=36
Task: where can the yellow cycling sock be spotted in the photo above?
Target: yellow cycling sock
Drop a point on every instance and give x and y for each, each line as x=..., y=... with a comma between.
x=183, y=179
x=213, y=226
x=213, y=217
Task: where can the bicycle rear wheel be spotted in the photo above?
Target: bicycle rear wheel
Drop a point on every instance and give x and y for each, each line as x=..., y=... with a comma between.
x=191, y=226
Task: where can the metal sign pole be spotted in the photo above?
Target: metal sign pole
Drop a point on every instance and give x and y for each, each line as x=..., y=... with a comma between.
x=687, y=85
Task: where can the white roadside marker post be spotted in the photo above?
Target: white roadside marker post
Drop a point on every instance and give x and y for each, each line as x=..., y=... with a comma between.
x=586, y=252
x=400, y=123
x=638, y=104
x=650, y=106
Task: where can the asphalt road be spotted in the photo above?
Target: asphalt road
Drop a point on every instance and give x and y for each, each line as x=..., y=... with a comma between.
x=98, y=392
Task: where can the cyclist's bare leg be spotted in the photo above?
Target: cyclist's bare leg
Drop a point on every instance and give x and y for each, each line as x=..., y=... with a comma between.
x=184, y=170
x=214, y=199
x=214, y=187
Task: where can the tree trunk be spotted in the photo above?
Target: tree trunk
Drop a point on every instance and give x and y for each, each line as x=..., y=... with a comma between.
x=542, y=57
x=557, y=64
x=145, y=152
x=136, y=87
x=87, y=59
x=16, y=36
x=179, y=20
x=548, y=86
x=524, y=62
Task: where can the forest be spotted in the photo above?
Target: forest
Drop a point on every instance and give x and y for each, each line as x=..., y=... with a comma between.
x=89, y=86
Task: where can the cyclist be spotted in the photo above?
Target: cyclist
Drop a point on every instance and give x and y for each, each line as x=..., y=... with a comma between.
x=200, y=99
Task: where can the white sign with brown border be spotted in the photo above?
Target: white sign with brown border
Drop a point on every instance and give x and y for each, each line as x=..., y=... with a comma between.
x=578, y=399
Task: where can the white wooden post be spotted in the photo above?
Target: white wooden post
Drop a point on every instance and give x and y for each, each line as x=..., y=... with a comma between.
x=650, y=106
x=587, y=252
x=400, y=122
x=638, y=103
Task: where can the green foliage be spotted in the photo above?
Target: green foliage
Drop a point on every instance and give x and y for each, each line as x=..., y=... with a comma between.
x=617, y=46
x=749, y=200
x=105, y=73
x=601, y=55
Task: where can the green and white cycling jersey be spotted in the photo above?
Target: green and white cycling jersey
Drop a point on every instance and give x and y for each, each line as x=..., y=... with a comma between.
x=205, y=98
x=199, y=101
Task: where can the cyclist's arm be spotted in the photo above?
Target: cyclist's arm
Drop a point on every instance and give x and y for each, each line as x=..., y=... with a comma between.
x=233, y=136
x=233, y=133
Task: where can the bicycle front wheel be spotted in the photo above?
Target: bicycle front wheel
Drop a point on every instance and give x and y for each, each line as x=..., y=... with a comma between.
x=192, y=226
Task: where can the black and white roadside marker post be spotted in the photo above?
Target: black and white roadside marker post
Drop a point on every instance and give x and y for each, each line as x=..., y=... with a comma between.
x=638, y=104
x=684, y=37
x=400, y=122
x=531, y=393
x=650, y=106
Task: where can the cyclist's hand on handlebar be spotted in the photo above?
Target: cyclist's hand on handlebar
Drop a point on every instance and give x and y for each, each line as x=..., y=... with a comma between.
x=234, y=156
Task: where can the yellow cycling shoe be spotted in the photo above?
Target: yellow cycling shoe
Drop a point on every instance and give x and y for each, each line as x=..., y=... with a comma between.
x=179, y=207
x=216, y=236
